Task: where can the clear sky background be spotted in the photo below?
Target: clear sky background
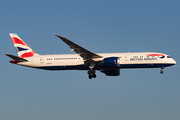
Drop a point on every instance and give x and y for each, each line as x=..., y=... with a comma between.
x=100, y=26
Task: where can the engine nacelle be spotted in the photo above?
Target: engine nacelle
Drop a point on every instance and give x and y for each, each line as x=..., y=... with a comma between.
x=115, y=72
x=112, y=62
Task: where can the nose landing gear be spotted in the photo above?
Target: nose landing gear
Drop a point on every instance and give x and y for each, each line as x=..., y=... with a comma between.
x=91, y=74
x=162, y=70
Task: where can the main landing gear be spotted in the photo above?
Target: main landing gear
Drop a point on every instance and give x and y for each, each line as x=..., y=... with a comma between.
x=91, y=74
x=162, y=70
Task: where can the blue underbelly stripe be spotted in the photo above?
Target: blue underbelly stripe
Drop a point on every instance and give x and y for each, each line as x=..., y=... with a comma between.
x=122, y=66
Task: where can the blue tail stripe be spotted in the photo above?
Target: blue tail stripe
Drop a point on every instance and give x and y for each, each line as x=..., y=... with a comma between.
x=20, y=49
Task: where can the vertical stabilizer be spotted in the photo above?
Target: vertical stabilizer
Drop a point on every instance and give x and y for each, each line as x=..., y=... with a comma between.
x=23, y=50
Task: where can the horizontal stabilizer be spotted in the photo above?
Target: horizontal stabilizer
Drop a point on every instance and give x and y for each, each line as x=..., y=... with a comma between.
x=16, y=58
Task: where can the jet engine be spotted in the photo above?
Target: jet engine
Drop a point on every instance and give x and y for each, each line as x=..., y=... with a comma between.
x=112, y=62
x=115, y=72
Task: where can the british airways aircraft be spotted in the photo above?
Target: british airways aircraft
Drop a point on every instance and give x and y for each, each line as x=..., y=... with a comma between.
x=107, y=63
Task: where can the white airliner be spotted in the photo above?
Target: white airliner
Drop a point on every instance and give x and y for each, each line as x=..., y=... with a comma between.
x=108, y=63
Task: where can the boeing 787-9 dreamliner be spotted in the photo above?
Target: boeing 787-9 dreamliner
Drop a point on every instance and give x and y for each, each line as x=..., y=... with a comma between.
x=107, y=63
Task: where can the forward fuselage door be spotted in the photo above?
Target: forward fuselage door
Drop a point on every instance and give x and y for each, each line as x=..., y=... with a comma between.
x=126, y=58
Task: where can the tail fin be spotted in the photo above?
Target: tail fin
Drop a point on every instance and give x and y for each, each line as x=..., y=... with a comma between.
x=23, y=50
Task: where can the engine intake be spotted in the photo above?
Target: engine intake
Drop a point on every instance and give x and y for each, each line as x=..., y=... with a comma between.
x=112, y=62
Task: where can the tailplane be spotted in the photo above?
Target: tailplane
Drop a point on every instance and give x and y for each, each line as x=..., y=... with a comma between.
x=23, y=50
x=16, y=59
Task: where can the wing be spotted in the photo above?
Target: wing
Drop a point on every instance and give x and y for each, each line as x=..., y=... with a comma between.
x=84, y=53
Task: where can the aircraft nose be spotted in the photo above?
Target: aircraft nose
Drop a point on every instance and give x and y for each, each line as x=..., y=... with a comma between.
x=174, y=62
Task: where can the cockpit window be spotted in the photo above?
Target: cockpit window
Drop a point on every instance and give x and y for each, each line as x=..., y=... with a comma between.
x=168, y=57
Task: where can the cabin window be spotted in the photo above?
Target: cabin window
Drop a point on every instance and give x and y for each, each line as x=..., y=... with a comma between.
x=135, y=56
x=61, y=58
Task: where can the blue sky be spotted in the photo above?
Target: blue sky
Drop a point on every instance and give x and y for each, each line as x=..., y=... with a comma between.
x=100, y=26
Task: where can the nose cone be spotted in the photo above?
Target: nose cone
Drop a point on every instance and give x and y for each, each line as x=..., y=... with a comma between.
x=174, y=62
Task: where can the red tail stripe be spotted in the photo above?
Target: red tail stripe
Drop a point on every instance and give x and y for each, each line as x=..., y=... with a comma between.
x=18, y=41
x=29, y=54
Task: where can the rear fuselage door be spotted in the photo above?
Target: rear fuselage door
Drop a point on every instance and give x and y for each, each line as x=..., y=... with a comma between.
x=41, y=61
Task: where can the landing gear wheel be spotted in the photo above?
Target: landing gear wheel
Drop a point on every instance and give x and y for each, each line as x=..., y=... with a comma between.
x=161, y=71
x=90, y=76
x=94, y=75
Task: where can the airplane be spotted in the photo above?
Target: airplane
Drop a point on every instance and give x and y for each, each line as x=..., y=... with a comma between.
x=107, y=63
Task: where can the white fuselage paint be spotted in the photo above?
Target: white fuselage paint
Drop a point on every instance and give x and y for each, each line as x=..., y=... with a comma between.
x=127, y=60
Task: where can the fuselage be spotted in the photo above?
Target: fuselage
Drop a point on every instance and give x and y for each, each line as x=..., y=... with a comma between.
x=75, y=62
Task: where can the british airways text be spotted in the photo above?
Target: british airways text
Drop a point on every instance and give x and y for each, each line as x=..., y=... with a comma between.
x=139, y=59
